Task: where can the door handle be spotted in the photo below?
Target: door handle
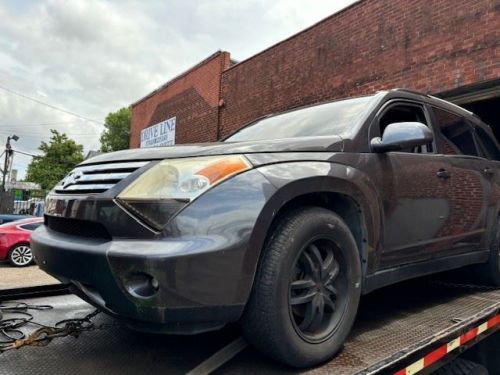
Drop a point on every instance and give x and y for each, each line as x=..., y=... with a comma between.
x=443, y=173
x=488, y=171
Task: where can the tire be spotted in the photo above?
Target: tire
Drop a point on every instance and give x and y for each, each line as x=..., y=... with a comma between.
x=21, y=255
x=489, y=273
x=281, y=319
x=462, y=367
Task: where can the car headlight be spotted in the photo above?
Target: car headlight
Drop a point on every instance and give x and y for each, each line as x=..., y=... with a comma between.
x=167, y=187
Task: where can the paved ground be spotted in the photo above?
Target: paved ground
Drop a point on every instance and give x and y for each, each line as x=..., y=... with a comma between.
x=20, y=277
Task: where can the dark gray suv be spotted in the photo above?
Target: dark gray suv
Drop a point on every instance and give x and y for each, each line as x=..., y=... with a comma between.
x=284, y=224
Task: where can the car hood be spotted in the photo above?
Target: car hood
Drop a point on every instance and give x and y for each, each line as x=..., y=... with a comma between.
x=302, y=144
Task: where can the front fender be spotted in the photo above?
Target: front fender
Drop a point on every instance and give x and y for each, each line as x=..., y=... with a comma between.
x=222, y=271
x=295, y=179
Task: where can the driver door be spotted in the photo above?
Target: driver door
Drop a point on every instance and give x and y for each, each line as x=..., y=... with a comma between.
x=413, y=191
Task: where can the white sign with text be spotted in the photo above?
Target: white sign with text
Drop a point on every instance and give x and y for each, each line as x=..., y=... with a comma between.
x=161, y=134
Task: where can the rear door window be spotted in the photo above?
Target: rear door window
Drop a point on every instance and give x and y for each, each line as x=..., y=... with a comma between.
x=456, y=132
x=489, y=146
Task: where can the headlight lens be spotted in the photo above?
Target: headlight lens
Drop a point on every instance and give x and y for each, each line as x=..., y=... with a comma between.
x=171, y=184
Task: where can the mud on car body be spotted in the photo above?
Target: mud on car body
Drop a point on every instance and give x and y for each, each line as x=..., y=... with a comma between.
x=284, y=224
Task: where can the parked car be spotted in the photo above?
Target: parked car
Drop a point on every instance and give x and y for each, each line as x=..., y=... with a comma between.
x=7, y=218
x=284, y=224
x=15, y=241
x=32, y=206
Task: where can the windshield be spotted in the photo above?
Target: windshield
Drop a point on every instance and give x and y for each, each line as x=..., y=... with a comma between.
x=333, y=118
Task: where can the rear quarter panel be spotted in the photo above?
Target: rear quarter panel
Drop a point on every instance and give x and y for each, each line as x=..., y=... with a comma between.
x=10, y=238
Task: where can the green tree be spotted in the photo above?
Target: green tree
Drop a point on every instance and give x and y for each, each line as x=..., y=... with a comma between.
x=117, y=130
x=59, y=156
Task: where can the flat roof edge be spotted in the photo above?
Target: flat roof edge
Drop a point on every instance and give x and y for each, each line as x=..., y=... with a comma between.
x=179, y=76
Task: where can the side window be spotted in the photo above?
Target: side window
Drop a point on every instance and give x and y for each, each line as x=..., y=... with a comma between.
x=31, y=227
x=405, y=113
x=457, y=133
x=490, y=147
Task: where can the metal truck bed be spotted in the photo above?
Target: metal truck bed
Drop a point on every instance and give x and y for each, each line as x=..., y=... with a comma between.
x=401, y=329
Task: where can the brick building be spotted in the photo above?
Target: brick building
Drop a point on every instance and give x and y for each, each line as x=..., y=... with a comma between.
x=449, y=48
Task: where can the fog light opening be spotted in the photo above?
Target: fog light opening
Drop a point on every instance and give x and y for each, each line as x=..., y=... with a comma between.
x=141, y=285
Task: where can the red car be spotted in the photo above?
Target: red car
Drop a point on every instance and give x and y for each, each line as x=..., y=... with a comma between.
x=15, y=241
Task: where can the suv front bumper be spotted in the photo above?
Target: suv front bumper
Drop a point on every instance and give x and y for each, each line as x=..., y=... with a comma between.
x=194, y=276
x=197, y=283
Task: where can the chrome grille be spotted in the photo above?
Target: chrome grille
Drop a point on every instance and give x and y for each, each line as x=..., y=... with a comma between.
x=96, y=178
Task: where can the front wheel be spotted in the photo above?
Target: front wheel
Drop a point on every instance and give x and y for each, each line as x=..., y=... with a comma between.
x=21, y=255
x=307, y=289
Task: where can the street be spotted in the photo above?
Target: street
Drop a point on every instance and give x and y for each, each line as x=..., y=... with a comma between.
x=21, y=277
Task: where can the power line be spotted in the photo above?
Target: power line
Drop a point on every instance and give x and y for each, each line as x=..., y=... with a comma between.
x=49, y=105
x=41, y=124
x=85, y=138
x=37, y=133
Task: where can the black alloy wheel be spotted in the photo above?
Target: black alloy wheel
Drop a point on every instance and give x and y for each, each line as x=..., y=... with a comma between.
x=306, y=290
x=317, y=290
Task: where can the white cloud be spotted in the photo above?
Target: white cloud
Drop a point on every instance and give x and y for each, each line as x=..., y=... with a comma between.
x=93, y=57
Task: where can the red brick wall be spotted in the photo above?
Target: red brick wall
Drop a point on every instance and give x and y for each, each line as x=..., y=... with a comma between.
x=425, y=45
x=192, y=97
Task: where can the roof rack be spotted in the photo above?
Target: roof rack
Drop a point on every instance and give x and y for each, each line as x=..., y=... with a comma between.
x=409, y=91
x=437, y=99
x=452, y=104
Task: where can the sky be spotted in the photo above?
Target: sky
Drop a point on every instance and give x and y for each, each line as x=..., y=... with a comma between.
x=92, y=57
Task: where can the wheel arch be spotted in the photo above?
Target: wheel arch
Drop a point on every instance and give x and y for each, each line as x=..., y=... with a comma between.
x=344, y=190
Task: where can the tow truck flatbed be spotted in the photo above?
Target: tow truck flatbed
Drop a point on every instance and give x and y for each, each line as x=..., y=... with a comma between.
x=411, y=328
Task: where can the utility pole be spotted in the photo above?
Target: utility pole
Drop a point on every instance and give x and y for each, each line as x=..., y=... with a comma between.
x=8, y=154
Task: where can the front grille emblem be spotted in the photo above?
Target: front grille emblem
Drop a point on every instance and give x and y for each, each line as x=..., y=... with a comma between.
x=96, y=178
x=72, y=178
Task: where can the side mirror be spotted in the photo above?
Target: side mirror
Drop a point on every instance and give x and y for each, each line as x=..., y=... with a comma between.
x=400, y=135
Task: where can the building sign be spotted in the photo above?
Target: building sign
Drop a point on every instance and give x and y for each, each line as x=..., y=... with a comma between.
x=161, y=134
x=22, y=185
